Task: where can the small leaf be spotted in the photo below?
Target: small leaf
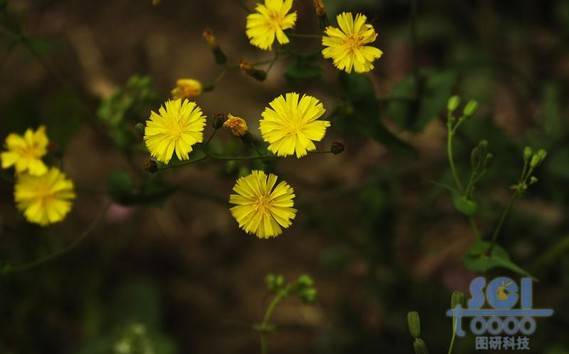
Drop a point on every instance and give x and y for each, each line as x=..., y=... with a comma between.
x=464, y=205
x=478, y=259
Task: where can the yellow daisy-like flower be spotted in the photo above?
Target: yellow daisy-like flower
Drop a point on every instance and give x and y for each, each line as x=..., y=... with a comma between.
x=270, y=21
x=177, y=126
x=25, y=151
x=290, y=125
x=347, y=45
x=187, y=88
x=44, y=199
x=260, y=207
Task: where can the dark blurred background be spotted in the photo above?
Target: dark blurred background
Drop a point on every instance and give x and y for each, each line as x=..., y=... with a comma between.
x=377, y=235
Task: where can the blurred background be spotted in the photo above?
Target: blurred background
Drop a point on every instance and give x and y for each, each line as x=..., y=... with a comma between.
x=174, y=274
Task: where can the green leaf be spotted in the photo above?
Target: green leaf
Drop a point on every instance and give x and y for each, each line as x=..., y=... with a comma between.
x=305, y=67
x=413, y=115
x=480, y=259
x=361, y=114
x=464, y=205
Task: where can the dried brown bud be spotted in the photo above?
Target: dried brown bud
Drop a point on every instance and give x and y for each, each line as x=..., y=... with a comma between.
x=337, y=147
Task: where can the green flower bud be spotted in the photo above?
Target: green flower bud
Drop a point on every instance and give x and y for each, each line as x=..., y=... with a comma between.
x=305, y=281
x=414, y=324
x=538, y=158
x=274, y=282
x=420, y=346
x=453, y=103
x=533, y=180
x=457, y=298
x=528, y=152
x=308, y=295
x=470, y=108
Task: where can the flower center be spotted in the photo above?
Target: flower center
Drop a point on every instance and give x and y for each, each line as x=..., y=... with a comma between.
x=353, y=42
x=275, y=20
x=263, y=204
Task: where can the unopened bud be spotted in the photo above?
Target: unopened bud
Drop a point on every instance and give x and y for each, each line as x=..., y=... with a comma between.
x=538, y=158
x=308, y=295
x=470, y=108
x=150, y=165
x=218, y=54
x=187, y=88
x=237, y=125
x=414, y=324
x=319, y=8
x=420, y=346
x=337, y=148
x=453, y=103
x=248, y=69
x=457, y=298
x=305, y=281
x=533, y=180
x=274, y=282
x=528, y=152
x=218, y=120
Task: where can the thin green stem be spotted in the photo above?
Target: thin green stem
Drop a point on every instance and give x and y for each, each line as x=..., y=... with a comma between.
x=503, y=217
x=265, y=325
x=61, y=252
x=451, y=160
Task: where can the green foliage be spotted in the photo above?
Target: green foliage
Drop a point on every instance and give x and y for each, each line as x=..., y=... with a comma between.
x=484, y=256
x=304, y=68
x=415, y=115
x=464, y=205
x=360, y=113
x=129, y=104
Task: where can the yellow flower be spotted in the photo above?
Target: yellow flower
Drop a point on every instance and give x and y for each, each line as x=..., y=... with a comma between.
x=260, y=207
x=44, y=199
x=270, y=21
x=291, y=125
x=178, y=125
x=237, y=125
x=187, y=88
x=347, y=45
x=25, y=151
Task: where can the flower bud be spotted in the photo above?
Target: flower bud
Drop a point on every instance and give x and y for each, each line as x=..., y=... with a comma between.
x=150, y=165
x=305, y=281
x=320, y=10
x=533, y=180
x=337, y=147
x=274, y=282
x=218, y=54
x=308, y=295
x=414, y=324
x=538, y=158
x=248, y=69
x=218, y=120
x=420, y=346
x=237, y=125
x=457, y=298
x=453, y=103
x=470, y=108
x=528, y=152
x=187, y=88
